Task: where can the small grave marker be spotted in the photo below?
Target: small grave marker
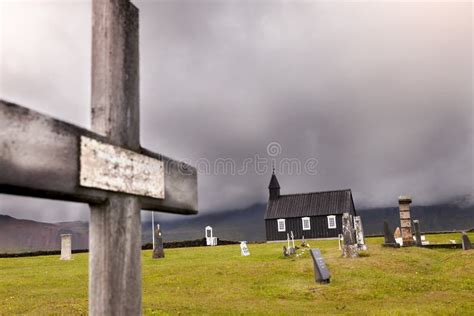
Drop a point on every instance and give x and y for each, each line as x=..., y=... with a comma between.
x=158, y=251
x=291, y=250
x=359, y=231
x=303, y=242
x=210, y=239
x=321, y=272
x=388, y=236
x=66, y=247
x=416, y=227
x=244, y=250
x=466, y=243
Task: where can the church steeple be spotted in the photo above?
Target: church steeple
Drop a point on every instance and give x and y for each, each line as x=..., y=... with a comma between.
x=274, y=187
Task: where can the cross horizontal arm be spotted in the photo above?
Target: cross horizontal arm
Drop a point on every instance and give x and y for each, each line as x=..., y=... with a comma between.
x=40, y=156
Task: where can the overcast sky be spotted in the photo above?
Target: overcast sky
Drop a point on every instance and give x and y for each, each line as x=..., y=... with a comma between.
x=378, y=93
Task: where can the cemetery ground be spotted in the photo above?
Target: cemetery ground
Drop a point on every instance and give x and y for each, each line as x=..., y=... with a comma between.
x=218, y=280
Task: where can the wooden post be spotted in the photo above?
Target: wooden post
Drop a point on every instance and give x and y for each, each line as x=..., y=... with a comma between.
x=115, y=229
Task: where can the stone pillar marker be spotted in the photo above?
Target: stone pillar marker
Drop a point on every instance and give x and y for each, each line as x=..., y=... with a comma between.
x=405, y=220
x=66, y=247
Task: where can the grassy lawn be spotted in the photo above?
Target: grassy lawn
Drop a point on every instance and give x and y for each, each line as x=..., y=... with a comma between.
x=217, y=280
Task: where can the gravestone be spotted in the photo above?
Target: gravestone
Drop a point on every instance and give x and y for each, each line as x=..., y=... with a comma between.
x=466, y=243
x=416, y=227
x=291, y=250
x=321, y=272
x=66, y=247
x=303, y=242
x=359, y=231
x=158, y=251
x=349, y=247
x=293, y=239
x=388, y=236
x=106, y=167
x=210, y=239
x=244, y=250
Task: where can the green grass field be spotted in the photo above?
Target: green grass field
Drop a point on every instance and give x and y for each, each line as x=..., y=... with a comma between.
x=217, y=280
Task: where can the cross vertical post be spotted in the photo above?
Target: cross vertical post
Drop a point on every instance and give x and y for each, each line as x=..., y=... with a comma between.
x=115, y=226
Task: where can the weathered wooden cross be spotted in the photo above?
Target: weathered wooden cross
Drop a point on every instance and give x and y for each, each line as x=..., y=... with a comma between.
x=107, y=168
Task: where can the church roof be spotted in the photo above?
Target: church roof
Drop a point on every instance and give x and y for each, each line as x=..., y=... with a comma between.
x=310, y=204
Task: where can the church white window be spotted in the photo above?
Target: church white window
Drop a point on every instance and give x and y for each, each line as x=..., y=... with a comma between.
x=306, y=223
x=331, y=221
x=281, y=225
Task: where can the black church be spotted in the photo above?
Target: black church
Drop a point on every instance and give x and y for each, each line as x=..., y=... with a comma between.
x=312, y=215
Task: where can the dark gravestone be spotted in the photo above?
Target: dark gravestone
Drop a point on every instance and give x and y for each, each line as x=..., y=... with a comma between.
x=416, y=226
x=466, y=243
x=158, y=252
x=388, y=235
x=321, y=272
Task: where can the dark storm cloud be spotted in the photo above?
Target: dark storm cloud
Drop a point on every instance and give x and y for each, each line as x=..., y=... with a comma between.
x=379, y=93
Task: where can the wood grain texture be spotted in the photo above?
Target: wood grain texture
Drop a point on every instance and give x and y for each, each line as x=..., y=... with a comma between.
x=115, y=232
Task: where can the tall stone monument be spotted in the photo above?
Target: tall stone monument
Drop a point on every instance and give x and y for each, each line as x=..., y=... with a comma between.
x=405, y=220
x=66, y=247
x=158, y=251
x=349, y=248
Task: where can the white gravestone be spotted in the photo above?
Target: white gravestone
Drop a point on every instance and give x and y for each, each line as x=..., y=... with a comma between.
x=210, y=240
x=359, y=231
x=244, y=250
x=66, y=247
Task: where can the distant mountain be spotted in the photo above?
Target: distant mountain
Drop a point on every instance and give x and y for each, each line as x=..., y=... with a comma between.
x=19, y=235
x=240, y=224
